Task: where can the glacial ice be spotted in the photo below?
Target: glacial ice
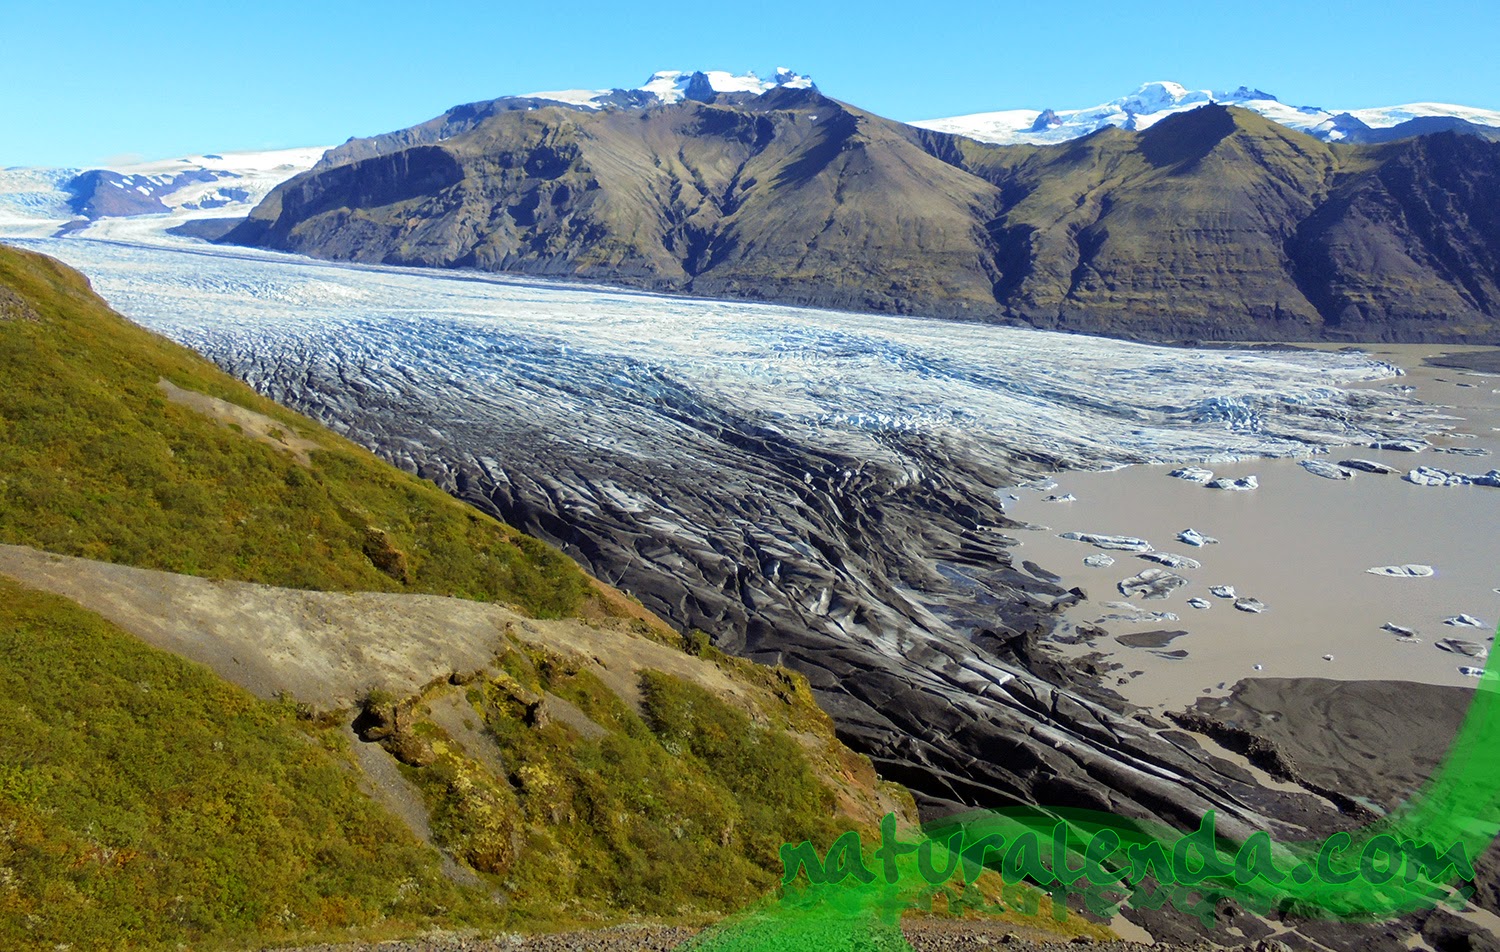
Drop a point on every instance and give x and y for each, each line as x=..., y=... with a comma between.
x=1400, y=630
x=1460, y=646
x=1194, y=474
x=1464, y=621
x=1195, y=538
x=1120, y=543
x=1410, y=570
x=1244, y=484
x=1432, y=476
x=1098, y=561
x=1171, y=560
x=1200, y=603
x=1252, y=605
x=1152, y=583
x=1368, y=466
x=1327, y=470
x=1403, y=445
x=1221, y=591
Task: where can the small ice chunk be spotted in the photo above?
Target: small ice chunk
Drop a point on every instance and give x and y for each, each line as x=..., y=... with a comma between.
x=1221, y=591
x=1171, y=560
x=1401, y=630
x=1368, y=466
x=1410, y=570
x=1257, y=667
x=1459, y=646
x=1244, y=484
x=1200, y=603
x=1152, y=583
x=1465, y=621
x=1252, y=605
x=1121, y=543
x=1066, y=497
x=1193, y=474
x=1195, y=538
x=1469, y=671
x=1327, y=470
x=1328, y=657
x=1432, y=476
x=1098, y=561
x=1404, y=446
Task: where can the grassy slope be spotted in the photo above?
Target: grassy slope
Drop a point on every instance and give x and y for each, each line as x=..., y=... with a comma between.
x=145, y=803
x=95, y=462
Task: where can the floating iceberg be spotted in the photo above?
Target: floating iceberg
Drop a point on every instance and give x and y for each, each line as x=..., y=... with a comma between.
x=1368, y=466
x=1171, y=561
x=1244, y=484
x=1465, y=621
x=1193, y=474
x=1327, y=470
x=1404, y=446
x=1252, y=605
x=1410, y=570
x=1152, y=583
x=1099, y=561
x=1400, y=630
x=1200, y=603
x=1121, y=543
x=1195, y=538
x=1459, y=646
x=1432, y=476
x=1221, y=591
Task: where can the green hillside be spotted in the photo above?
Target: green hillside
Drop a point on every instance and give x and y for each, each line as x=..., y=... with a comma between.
x=96, y=461
x=147, y=803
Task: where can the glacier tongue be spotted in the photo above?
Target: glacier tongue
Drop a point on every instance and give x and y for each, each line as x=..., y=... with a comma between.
x=810, y=487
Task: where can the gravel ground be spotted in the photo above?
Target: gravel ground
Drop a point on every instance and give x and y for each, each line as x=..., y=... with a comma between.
x=929, y=936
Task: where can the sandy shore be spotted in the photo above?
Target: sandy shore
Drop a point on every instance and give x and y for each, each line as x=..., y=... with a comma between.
x=1301, y=545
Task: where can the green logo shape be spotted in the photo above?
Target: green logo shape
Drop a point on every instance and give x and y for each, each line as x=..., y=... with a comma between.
x=1417, y=857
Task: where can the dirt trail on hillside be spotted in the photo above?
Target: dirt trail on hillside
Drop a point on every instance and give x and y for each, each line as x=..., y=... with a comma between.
x=328, y=649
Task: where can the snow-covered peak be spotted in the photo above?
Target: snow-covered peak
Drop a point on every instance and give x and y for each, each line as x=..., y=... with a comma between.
x=1154, y=101
x=675, y=85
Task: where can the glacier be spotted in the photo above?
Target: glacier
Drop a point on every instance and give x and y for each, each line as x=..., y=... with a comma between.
x=813, y=488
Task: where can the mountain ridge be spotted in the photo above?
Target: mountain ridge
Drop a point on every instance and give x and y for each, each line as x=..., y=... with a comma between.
x=1214, y=223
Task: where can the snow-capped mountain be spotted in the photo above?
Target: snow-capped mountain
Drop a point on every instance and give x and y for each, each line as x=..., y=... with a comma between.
x=198, y=186
x=1155, y=101
x=671, y=85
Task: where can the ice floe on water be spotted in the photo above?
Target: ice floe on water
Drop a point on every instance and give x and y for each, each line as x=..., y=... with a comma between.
x=1327, y=470
x=1171, y=560
x=1368, y=466
x=1243, y=484
x=1221, y=591
x=1400, y=630
x=1152, y=583
x=1193, y=474
x=1199, y=603
x=1401, y=445
x=1118, y=543
x=1098, y=561
x=1460, y=646
x=1252, y=605
x=1464, y=621
x=1410, y=570
x=1195, y=538
x=1433, y=476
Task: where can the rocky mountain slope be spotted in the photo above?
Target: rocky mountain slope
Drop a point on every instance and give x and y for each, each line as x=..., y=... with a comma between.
x=1214, y=223
x=274, y=689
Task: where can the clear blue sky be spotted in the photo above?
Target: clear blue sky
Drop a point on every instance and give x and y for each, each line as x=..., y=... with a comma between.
x=86, y=81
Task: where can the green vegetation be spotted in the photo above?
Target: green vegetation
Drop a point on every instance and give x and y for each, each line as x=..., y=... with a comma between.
x=144, y=803
x=96, y=462
x=678, y=811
